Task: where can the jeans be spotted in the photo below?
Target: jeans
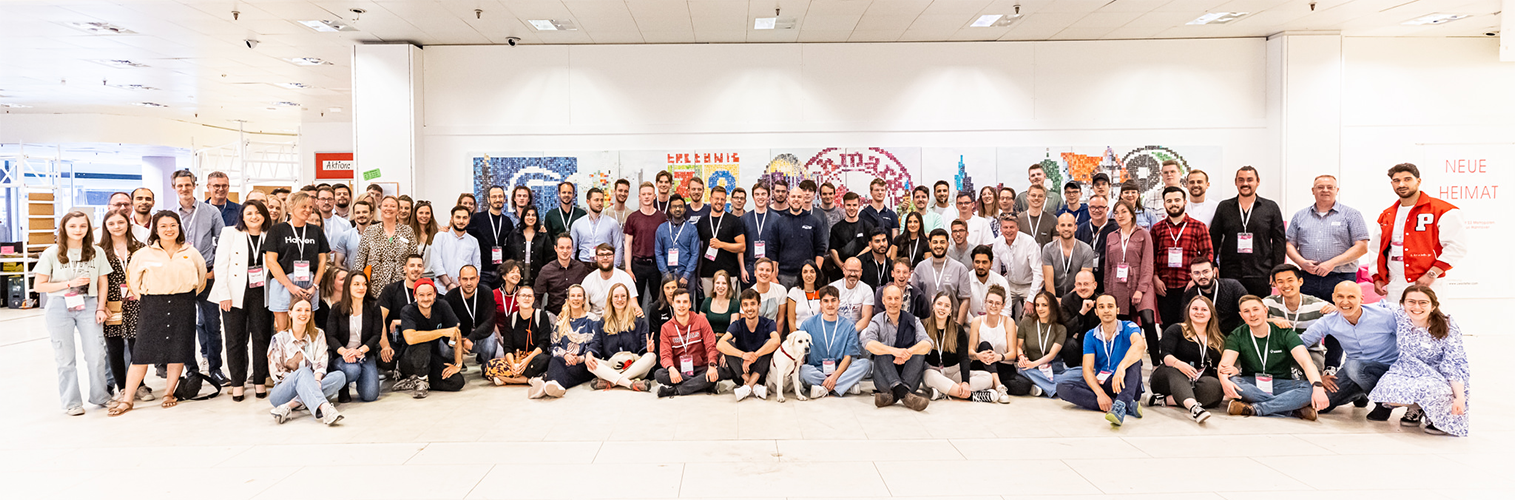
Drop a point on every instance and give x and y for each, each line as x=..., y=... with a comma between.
x=302, y=385
x=1074, y=389
x=1323, y=286
x=853, y=375
x=208, y=328
x=1288, y=395
x=637, y=369
x=887, y=375
x=1048, y=385
x=1354, y=379
x=61, y=325
x=693, y=384
x=1170, y=381
x=568, y=376
x=365, y=372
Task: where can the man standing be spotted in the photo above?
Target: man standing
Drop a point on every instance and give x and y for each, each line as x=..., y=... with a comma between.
x=686, y=351
x=1019, y=260
x=561, y=218
x=1073, y=193
x=338, y=230
x=618, y=210
x=920, y=197
x=1096, y=229
x=724, y=242
x=220, y=185
x=1200, y=209
x=490, y=230
x=1366, y=336
x=780, y=199
x=833, y=365
x=696, y=208
x=594, y=230
x=983, y=261
x=1038, y=177
x=142, y=209
x=677, y=244
x=641, y=243
x=943, y=206
x=520, y=198
x=761, y=227
x=1170, y=174
x=1063, y=258
x=979, y=232
x=799, y=240
x=454, y=249
x=960, y=250
x=879, y=214
x=1248, y=235
x=856, y=297
x=200, y=225
x=738, y=202
x=1040, y=224
x=474, y=306
x=1179, y=241
x=899, y=345
x=1326, y=239
x=343, y=201
x=876, y=264
x=664, y=181
x=849, y=236
x=1223, y=292
x=555, y=277
x=1421, y=237
x=941, y=274
x=829, y=208
x=1101, y=184
x=430, y=329
x=597, y=284
x=362, y=213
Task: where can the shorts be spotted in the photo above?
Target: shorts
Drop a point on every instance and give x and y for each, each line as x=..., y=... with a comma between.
x=278, y=297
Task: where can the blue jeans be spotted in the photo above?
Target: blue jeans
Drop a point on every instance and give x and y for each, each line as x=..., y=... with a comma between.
x=1048, y=385
x=1355, y=378
x=61, y=325
x=208, y=328
x=850, y=377
x=301, y=384
x=366, y=373
x=1323, y=286
x=1288, y=395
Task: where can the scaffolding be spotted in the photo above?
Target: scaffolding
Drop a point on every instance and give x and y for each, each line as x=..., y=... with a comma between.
x=248, y=163
x=32, y=180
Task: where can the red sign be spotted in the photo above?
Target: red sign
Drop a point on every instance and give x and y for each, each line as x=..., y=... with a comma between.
x=335, y=166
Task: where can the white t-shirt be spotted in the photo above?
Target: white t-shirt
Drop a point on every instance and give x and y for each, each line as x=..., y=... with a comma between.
x=853, y=300
x=1397, y=245
x=976, y=303
x=804, y=308
x=1203, y=211
x=596, y=289
x=775, y=297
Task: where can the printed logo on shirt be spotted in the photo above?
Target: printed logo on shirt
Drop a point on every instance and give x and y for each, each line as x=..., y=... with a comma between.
x=1422, y=220
x=295, y=240
x=807, y=227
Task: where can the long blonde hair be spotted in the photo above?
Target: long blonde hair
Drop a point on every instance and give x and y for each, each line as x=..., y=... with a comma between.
x=564, y=318
x=947, y=339
x=618, y=320
x=1212, y=328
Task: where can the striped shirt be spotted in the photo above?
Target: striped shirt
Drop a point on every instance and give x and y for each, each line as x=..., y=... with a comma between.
x=1300, y=318
x=1321, y=237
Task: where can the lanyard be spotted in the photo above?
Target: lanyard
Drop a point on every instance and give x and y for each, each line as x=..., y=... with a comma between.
x=1293, y=322
x=882, y=270
x=676, y=236
x=1068, y=260
x=684, y=336
x=1036, y=229
x=300, y=239
x=563, y=216
x=257, y=248
x=410, y=297
x=1262, y=353
x=835, y=325
x=915, y=245
x=1124, y=239
x=471, y=306
x=189, y=227
x=715, y=227
x=1204, y=348
x=1181, y=229
x=938, y=275
x=662, y=206
x=1042, y=339
x=1246, y=215
x=760, y=223
x=1109, y=345
x=495, y=224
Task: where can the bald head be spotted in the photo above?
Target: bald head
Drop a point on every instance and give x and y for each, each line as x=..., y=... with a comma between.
x=1067, y=225
x=1083, y=283
x=1348, y=298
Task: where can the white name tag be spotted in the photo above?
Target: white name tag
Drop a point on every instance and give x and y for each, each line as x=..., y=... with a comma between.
x=710, y=253
x=1265, y=383
x=302, y=271
x=760, y=249
x=828, y=366
x=496, y=255
x=1175, y=257
x=74, y=301
x=1243, y=242
x=1046, y=371
x=1122, y=271
x=673, y=257
x=686, y=365
x=255, y=277
x=1103, y=376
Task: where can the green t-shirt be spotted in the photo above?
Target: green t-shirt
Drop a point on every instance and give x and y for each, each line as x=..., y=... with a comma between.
x=47, y=264
x=1278, y=343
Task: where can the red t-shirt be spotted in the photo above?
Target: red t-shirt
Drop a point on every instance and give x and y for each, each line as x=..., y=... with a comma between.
x=643, y=230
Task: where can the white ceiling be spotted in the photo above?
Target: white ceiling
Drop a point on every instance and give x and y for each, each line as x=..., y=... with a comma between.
x=197, y=57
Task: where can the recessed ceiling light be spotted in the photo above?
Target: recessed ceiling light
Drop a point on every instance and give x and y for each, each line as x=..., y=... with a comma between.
x=1433, y=19
x=131, y=86
x=12, y=105
x=327, y=26
x=99, y=28
x=773, y=23
x=308, y=61
x=1218, y=18
x=287, y=104
x=552, y=25
x=334, y=110
x=147, y=104
x=120, y=63
x=995, y=20
x=293, y=85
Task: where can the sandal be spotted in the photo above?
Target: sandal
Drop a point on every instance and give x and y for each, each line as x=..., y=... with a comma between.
x=119, y=408
x=169, y=401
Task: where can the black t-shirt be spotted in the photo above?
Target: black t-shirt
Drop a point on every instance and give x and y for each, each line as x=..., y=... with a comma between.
x=305, y=243
x=394, y=298
x=850, y=238
x=725, y=228
x=441, y=317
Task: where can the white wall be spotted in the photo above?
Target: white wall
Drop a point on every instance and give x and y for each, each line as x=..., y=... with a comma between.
x=322, y=137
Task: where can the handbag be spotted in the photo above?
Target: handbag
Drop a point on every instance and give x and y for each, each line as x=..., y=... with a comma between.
x=114, y=307
x=190, y=385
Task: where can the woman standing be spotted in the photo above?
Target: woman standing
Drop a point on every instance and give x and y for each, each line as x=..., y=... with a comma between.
x=353, y=328
x=988, y=206
x=1191, y=350
x=332, y=285
x=721, y=305
x=948, y=371
x=570, y=343
x=406, y=208
x=71, y=273
x=1040, y=338
x=1431, y=374
x=523, y=339
x=240, y=291
x=505, y=296
x=804, y=300
x=1131, y=194
x=121, y=327
x=384, y=246
x=911, y=243
x=275, y=211
x=297, y=358
x=424, y=225
x=618, y=354
x=165, y=276
x=1128, y=273
x=528, y=245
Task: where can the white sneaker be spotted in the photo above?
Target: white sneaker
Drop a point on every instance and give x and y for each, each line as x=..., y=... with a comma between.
x=1004, y=397
x=855, y=389
x=554, y=389
x=936, y=395
x=724, y=386
x=537, y=389
x=818, y=391
x=329, y=414
x=760, y=391
x=742, y=392
x=280, y=413
x=1036, y=391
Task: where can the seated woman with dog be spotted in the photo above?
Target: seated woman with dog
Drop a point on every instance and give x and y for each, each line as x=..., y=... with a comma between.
x=747, y=348
x=618, y=354
x=832, y=365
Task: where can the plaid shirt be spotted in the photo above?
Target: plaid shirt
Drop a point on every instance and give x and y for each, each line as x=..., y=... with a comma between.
x=1192, y=236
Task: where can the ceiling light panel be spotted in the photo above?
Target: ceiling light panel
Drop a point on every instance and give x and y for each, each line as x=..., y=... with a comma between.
x=120, y=63
x=100, y=28
x=552, y=25
x=308, y=61
x=1217, y=18
x=328, y=26
x=131, y=86
x=1435, y=19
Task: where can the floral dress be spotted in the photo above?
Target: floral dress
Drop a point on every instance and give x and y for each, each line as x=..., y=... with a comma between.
x=1423, y=373
x=117, y=278
x=385, y=255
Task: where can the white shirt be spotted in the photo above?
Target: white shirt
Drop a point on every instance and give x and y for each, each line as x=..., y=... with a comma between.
x=448, y=254
x=976, y=303
x=1397, y=244
x=803, y=308
x=979, y=232
x=1203, y=211
x=1020, y=263
x=948, y=213
x=596, y=289
x=852, y=299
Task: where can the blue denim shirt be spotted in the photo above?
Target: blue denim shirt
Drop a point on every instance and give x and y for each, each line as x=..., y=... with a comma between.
x=684, y=237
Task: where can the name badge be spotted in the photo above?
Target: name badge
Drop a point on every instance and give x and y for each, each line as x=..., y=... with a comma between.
x=126, y=290
x=1103, y=376
x=255, y=277
x=496, y=255
x=1096, y=261
x=1046, y=370
x=1122, y=271
x=710, y=253
x=673, y=257
x=1243, y=242
x=73, y=300
x=1175, y=257
x=302, y=271
x=686, y=365
x=828, y=366
x=760, y=249
x=1265, y=383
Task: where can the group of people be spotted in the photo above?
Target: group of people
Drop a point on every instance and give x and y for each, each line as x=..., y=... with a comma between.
x=980, y=298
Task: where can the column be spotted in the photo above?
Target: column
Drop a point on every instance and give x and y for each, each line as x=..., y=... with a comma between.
x=387, y=113
x=1305, y=92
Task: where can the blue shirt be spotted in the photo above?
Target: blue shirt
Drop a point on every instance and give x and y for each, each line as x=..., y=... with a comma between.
x=337, y=229
x=1107, y=356
x=1371, y=339
x=831, y=340
x=686, y=238
x=1322, y=237
x=449, y=253
x=590, y=231
x=231, y=212
x=884, y=219
x=201, y=227
x=1082, y=214
x=761, y=227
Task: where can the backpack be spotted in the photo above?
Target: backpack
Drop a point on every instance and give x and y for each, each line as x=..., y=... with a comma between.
x=190, y=385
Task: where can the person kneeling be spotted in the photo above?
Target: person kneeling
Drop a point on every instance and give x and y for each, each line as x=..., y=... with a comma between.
x=833, y=365
x=748, y=346
x=1111, y=365
x=618, y=354
x=430, y=331
x=899, y=345
x=524, y=341
x=570, y=346
x=1271, y=389
x=686, y=351
x=297, y=360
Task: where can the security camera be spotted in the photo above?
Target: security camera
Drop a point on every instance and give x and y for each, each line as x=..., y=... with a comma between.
x=512, y=40
x=1491, y=33
x=251, y=44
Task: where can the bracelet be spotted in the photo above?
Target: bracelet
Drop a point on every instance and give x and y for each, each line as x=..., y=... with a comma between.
x=1317, y=384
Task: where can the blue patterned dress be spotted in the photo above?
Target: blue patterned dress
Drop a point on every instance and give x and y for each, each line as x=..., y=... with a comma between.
x=1424, y=372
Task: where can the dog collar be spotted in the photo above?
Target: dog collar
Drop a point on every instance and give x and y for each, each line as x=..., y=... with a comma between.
x=786, y=353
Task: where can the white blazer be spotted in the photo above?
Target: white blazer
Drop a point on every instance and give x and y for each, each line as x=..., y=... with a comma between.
x=231, y=267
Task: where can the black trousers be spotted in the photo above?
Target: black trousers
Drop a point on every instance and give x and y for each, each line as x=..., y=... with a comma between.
x=731, y=368
x=1148, y=322
x=1258, y=286
x=1170, y=307
x=1168, y=380
x=649, y=280
x=251, y=322
x=1073, y=350
x=117, y=347
x=423, y=360
x=693, y=384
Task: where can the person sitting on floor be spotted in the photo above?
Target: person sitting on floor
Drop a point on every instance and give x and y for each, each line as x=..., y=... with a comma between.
x=618, y=354
x=571, y=336
x=433, y=357
x=1259, y=377
x=1431, y=375
x=899, y=345
x=297, y=361
x=949, y=363
x=748, y=346
x=1190, y=351
x=1366, y=334
x=524, y=338
x=1112, y=365
x=1039, y=337
x=686, y=352
x=834, y=364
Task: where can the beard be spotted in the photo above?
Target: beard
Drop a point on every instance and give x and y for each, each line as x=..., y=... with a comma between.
x=939, y=253
x=981, y=273
x=605, y=268
x=1196, y=191
x=1175, y=212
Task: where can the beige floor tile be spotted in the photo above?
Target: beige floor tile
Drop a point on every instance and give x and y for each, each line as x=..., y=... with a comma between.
x=380, y=482
x=568, y=452
x=1385, y=471
x=1225, y=446
x=833, y=479
x=1045, y=448
x=872, y=450
x=580, y=481
x=988, y=477
x=150, y=483
x=641, y=452
x=1150, y=475
x=324, y=454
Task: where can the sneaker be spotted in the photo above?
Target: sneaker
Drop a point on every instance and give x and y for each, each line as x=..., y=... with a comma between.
x=917, y=402
x=554, y=389
x=985, y=396
x=329, y=414
x=421, y=388
x=144, y=394
x=666, y=391
x=1362, y=402
x=1036, y=391
x=1117, y=413
x=1431, y=429
x=1004, y=397
x=598, y=384
x=760, y=391
x=1199, y=414
x=75, y=411
x=1240, y=409
x=742, y=392
x=220, y=378
x=163, y=371
x=882, y=399
x=937, y=395
x=403, y=384
x=724, y=386
x=1134, y=410
x=855, y=389
x=1412, y=417
x=1306, y=413
x=280, y=413
x=1157, y=400
x=641, y=385
x=819, y=391
x=537, y=389
x=1380, y=413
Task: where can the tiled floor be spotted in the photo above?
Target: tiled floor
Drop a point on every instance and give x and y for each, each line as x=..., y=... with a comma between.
x=488, y=442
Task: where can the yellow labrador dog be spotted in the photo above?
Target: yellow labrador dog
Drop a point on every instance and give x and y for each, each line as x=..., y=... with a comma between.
x=786, y=365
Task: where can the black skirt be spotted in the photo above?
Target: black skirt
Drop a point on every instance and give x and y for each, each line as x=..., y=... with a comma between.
x=165, y=330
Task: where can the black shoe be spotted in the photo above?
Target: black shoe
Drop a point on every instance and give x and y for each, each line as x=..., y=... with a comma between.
x=163, y=371
x=666, y=391
x=1380, y=413
x=219, y=378
x=1362, y=402
x=261, y=395
x=238, y=398
x=1412, y=417
x=345, y=396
